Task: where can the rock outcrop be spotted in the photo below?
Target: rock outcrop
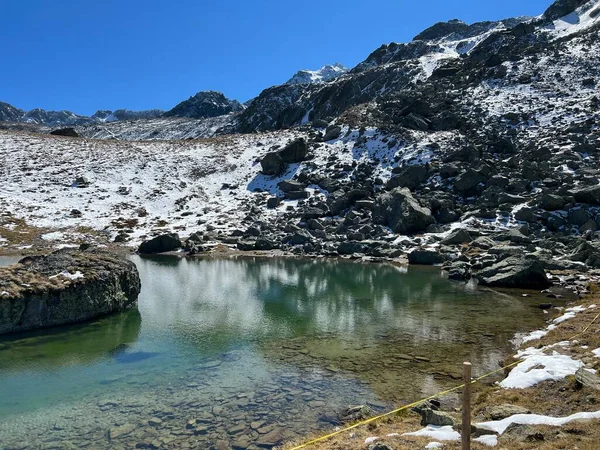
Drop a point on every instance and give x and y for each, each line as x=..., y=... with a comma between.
x=515, y=272
x=65, y=287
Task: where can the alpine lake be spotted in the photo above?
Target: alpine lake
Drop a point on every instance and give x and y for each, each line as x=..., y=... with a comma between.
x=246, y=352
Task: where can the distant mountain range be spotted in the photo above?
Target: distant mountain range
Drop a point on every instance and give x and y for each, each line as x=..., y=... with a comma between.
x=203, y=105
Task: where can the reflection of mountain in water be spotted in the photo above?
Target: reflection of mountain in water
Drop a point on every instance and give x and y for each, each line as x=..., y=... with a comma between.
x=73, y=345
x=252, y=298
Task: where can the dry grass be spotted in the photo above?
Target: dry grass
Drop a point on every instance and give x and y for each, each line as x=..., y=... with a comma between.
x=560, y=398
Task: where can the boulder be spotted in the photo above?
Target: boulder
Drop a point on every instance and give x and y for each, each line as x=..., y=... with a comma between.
x=272, y=164
x=355, y=414
x=410, y=177
x=456, y=237
x=425, y=257
x=160, y=244
x=332, y=132
x=430, y=416
x=273, y=202
x=64, y=287
x=70, y=132
x=291, y=185
x=399, y=210
x=467, y=183
x=515, y=272
x=551, y=202
x=499, y=412
x=300, y=237
x=294, y=152
x=590, y=195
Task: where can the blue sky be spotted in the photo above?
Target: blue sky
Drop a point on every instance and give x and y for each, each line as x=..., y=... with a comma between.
x=140, y=54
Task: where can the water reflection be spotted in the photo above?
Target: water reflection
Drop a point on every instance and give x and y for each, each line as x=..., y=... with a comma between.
x=281, y=342
x=76, y=345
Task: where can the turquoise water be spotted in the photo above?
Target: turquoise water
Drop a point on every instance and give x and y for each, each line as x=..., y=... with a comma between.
x=252, y=351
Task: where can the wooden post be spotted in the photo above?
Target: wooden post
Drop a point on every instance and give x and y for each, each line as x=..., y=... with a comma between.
x=466, y=407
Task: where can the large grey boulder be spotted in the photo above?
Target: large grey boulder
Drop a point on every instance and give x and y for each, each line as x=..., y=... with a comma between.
x=424, y=257
x=160, y=244
x=551, y=202
x=65, y=287
x=590, y=195
x=399, y=210
x=456, y=237
x=429, y=416
x=410, y=177
x=272, y=164
x=467, y=183
x=294, y=152
x=515, y=272
x=291, y=185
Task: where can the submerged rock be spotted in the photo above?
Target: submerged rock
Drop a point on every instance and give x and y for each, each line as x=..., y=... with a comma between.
x=64, y=287
x=356, y=413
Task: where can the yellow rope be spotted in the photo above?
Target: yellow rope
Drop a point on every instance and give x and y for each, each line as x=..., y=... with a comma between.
x=418, y=402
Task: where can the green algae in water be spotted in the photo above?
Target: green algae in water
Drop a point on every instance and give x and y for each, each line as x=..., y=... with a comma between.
x=250, y=351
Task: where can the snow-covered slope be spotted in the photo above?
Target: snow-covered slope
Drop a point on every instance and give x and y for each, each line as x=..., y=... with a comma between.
x=322, y=75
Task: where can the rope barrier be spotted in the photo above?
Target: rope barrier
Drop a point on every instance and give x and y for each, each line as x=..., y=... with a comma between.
x=418, y=402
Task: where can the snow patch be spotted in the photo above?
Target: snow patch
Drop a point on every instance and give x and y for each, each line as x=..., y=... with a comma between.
x=537, y=367
x=66, y=274
x=500, y=426
x=491, y=440
x=446, y=433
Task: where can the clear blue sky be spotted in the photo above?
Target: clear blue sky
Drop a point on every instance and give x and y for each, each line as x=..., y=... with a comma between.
x=86, y=55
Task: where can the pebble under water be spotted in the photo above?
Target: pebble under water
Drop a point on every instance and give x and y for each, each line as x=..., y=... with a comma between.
x=247, y=352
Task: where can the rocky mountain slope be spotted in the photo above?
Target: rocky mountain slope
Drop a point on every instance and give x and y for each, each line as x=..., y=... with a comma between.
x=474, y=146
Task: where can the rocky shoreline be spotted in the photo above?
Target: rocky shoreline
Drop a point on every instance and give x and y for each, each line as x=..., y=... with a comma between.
x=64, y=287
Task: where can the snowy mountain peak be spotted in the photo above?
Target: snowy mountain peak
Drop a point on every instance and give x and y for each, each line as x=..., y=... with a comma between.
x=324, y=74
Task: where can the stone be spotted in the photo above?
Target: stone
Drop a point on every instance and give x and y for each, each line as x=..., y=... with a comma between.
x=456, y=237
x=515, y=272
x=589, y=195
x=294, y=152
x=356, y=413
x=332, y=132
x=467, y=183
x=523, y=433
x=551, y=202
x=379, y=446
x=272, y=164
x=300, y=237
x=410, y=177
x=66, y=286
x=401, y=212
x=291, y=185
x=120, y=431
x=432, y=417
x=500, y=412
x=160, y=244
x=425, y=257
x=273, y=202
